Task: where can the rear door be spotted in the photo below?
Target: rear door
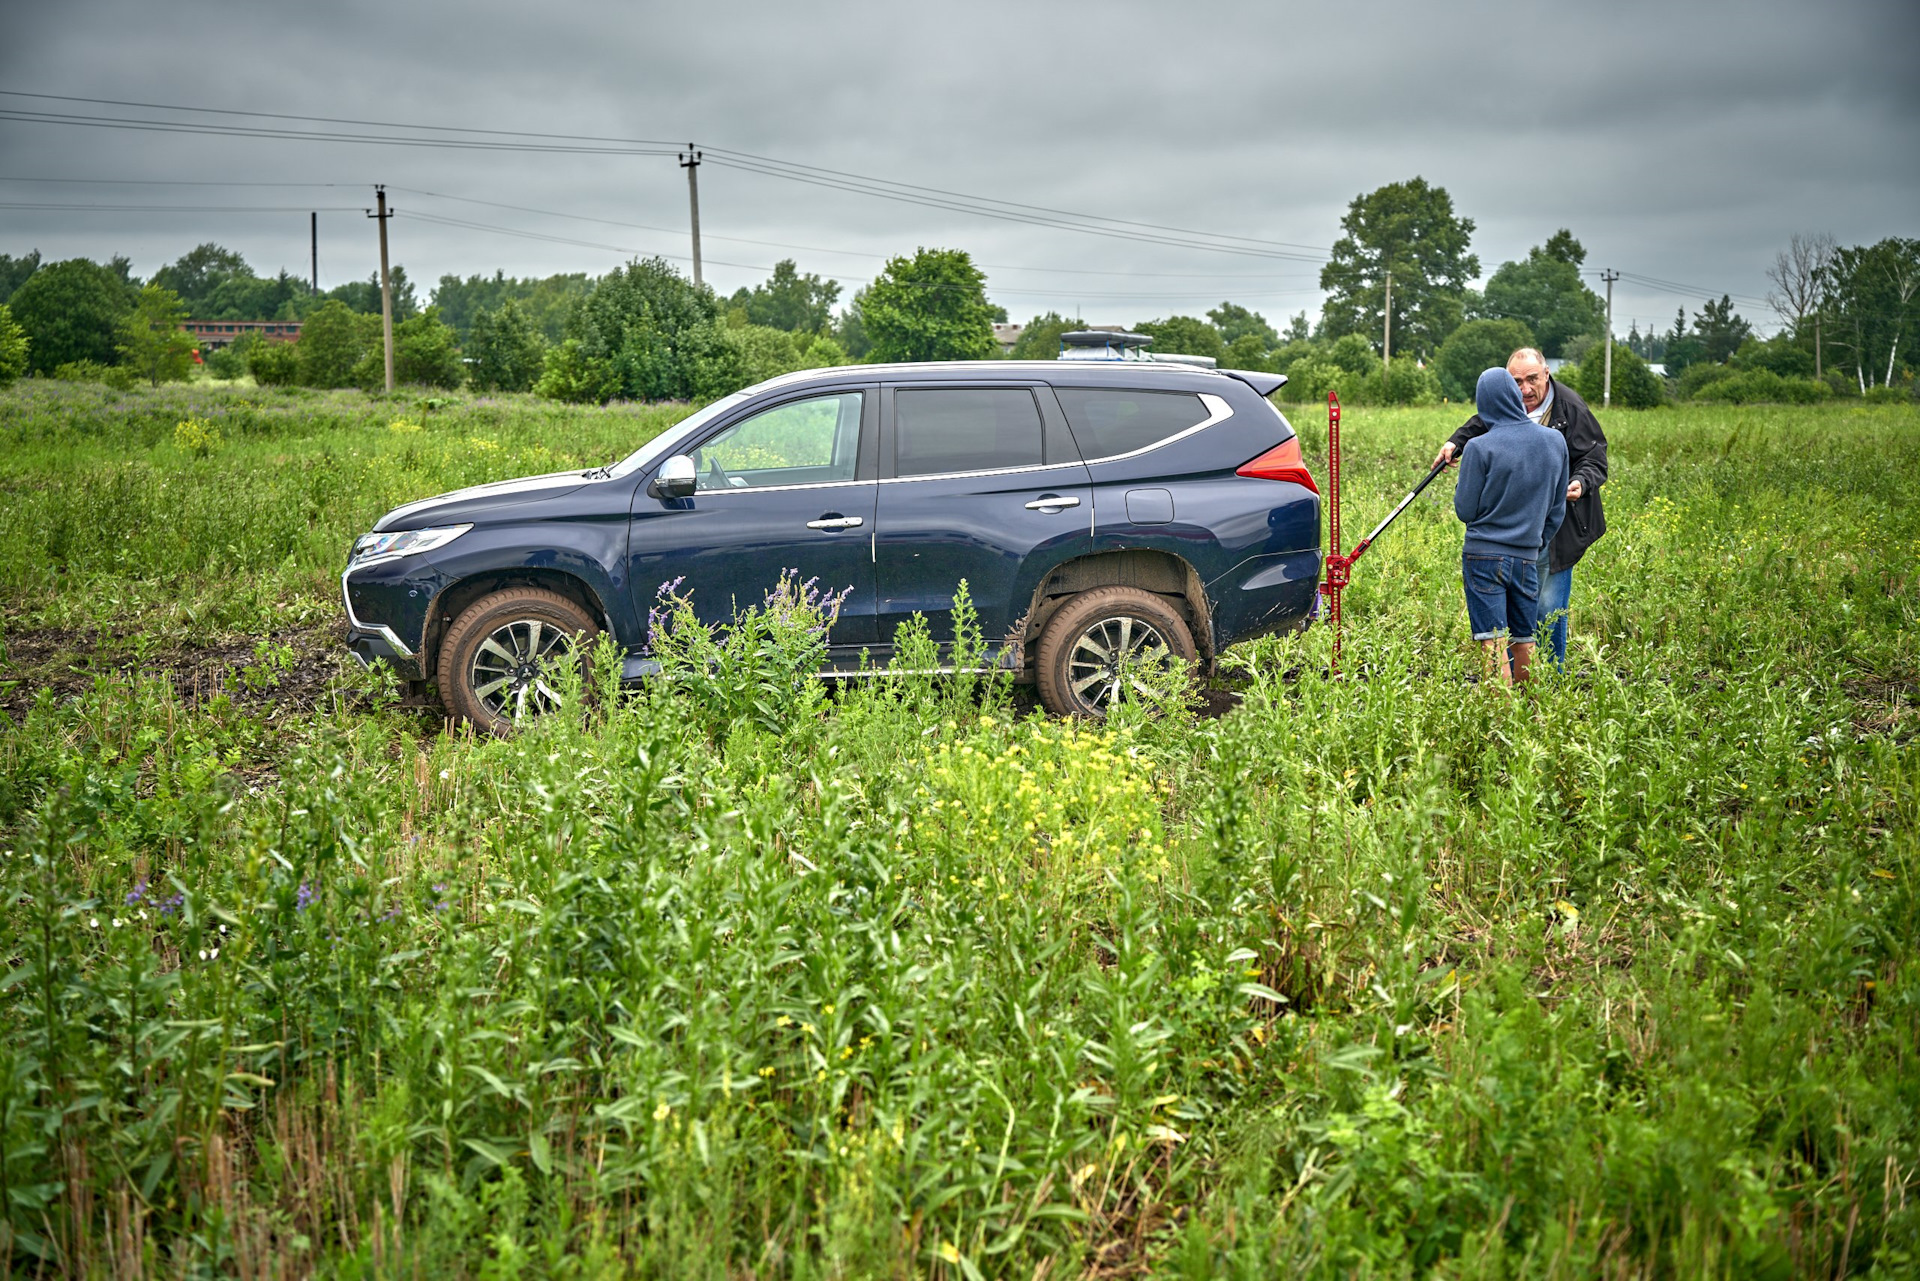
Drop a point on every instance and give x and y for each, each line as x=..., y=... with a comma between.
x=979, y=482
x=788, y=486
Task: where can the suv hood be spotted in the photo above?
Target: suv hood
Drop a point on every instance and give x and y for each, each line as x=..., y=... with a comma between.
x=477, y=500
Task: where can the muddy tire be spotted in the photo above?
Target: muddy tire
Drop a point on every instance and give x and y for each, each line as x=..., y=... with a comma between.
x=501, y=659
x=1109, y=643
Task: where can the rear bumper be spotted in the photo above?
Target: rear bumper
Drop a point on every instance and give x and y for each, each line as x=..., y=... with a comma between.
x=1264, y=594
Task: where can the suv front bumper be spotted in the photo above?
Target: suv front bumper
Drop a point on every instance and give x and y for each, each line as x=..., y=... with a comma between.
x=387, y=603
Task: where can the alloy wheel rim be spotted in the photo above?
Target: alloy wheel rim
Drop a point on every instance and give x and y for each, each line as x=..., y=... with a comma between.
x=1115, y=655
x=511, y=672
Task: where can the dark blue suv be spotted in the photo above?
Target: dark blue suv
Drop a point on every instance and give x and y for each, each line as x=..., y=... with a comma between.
x=1106, y=518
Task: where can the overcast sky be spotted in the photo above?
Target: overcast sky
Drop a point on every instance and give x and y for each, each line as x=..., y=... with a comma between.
x=1681, y=142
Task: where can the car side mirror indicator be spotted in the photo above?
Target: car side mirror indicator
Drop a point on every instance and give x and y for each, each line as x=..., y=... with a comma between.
x=676, y=478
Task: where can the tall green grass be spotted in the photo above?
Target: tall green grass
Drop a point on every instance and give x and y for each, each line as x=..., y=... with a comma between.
x=1388, y=975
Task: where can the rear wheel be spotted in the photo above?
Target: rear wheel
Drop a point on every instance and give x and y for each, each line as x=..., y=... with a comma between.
x=501, y=662
x=1107, y=644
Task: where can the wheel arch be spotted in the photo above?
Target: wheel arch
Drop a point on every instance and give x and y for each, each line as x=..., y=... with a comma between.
x=454, y=600
x=1149, y=569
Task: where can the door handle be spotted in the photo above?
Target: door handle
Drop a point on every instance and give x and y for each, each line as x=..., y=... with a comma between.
x=836, y=522
x=1053, y=503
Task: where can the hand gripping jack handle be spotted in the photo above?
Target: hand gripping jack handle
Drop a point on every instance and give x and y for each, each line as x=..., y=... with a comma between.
x=1340, y=568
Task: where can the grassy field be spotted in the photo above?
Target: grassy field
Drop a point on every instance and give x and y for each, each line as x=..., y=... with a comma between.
x=1393, y=975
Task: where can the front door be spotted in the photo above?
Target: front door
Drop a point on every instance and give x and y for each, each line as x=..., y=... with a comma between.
x=779, y=490
x=981, y=484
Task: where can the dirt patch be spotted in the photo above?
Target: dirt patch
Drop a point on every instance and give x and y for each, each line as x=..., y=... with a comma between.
x=1889, y=708
x=289, y=670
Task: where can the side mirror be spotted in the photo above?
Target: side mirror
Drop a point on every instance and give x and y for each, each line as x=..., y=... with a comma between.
x=675, y=479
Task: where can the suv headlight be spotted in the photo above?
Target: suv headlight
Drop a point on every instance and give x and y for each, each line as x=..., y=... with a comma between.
x=403, y=542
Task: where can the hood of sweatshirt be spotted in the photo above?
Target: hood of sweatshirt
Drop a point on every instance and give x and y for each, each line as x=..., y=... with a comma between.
x=1497, y=397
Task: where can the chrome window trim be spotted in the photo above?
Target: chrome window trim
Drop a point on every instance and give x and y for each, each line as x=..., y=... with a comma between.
x=992, y=471
x=779, y=489
x=1218, y=411
x=378, y=629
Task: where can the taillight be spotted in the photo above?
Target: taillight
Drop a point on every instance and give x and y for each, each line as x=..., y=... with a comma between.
x=1282, y=462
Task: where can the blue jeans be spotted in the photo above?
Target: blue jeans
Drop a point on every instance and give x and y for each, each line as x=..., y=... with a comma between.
x=1556, y=590
x=1502, y=595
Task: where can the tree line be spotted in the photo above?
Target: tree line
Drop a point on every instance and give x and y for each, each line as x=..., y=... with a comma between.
x=645, y=332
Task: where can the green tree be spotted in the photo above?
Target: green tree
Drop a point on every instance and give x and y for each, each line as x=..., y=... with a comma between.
x=1040, y=337
x=1546, y=293
x=1248, y=351
x=13, y=348
x=1872, y=310
x=1183, y=336
x=200, y=271
x=1634, y=385
x=789, y=300
x=1235, y=322
x=426, y=353
x=508, y=353
x=850, y=330
x=72, y=312
x=333, y=341
x=644, y=333
x=1474, y=348
x=1407, y=229
x=1720, y=330
x=545, y=302
x=14, y=272
x=152, y=344
x=766, y=352
x=363, y=296
x=1297, y=329
x=932, y=306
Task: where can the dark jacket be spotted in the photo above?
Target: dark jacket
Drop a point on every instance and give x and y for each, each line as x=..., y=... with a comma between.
x=1587, y=463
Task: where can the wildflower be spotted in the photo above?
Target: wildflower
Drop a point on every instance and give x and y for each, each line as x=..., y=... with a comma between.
x=303, y=897
x=117, y=922
x=94, y=922
x=137, y=893
x=662, y=1111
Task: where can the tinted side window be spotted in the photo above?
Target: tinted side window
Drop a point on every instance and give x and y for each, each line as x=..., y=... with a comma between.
x=963, y=429
x=805, y=442
x=1109, y=422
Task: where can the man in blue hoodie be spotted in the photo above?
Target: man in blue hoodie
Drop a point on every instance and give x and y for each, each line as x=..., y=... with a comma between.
x=1512, y=494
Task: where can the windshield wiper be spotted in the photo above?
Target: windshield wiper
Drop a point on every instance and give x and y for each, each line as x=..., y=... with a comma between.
x=603, y=472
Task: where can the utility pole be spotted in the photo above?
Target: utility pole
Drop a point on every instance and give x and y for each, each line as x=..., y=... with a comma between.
x=1386, y=335
x=1606, y=394
x=690, y=161
x=386, y=279
x=315, y=216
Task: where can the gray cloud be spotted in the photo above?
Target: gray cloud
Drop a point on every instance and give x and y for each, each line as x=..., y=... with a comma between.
x=1679, y=142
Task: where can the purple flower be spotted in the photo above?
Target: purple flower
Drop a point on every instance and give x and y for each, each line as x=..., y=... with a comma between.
x=303, y=897
x=168, y=906
x=138, y=892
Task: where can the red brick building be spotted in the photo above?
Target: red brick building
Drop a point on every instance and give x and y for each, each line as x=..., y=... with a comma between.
x=215, y=334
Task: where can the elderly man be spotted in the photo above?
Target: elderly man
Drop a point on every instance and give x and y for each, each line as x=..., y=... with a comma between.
x=1553, y=404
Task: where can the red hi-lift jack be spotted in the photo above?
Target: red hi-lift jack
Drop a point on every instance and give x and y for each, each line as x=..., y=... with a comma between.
x=1339, y=569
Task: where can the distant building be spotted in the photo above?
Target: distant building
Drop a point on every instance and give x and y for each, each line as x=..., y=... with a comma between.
x=212, y=335
x=1006, y=335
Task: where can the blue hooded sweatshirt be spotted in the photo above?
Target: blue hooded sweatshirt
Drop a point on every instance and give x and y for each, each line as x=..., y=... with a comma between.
x=1512, y=491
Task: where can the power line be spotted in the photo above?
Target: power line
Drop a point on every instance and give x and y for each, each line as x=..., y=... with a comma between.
x=77, y=207
x=988, y=207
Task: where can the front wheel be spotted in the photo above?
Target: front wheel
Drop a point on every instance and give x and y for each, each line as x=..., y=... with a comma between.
x=500, y=664
x=1108, y=644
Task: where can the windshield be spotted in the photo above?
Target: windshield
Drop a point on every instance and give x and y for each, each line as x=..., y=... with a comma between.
x=668, y=441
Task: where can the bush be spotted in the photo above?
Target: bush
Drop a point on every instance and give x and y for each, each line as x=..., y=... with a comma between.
x=1696, y=377
x=1755, y=386
x=231, y=361
x=334, y=340
x=92, y=371
x=1403, y=383
x=1634, y=385
x=578, y=376
x=1474, y=348
x=196, y=436
x=274, y=364
x=1779, y=354
x=13, y=348
x=426, y=353
x=1895, y=395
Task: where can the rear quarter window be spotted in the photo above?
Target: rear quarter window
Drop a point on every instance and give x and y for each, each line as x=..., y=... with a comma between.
x=1109, y=421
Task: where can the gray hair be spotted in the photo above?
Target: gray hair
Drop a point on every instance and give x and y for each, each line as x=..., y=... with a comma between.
x=1528, y=353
